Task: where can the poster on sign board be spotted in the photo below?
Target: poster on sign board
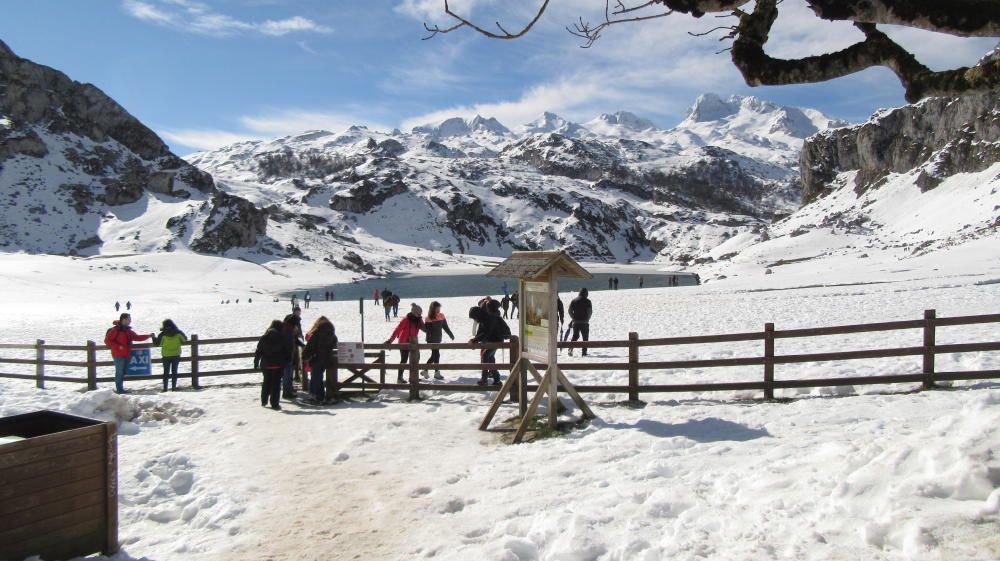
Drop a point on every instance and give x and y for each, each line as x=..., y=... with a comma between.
x=139, y=363
x=350, y=353
x=535, y=311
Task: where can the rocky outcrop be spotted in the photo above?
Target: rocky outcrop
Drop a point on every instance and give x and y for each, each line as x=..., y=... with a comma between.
x=67, y=148
x=937, y=138
x=233, y=222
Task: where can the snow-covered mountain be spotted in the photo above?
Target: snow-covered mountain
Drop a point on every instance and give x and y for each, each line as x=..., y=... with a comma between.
x=616, y=188
x=80, y=176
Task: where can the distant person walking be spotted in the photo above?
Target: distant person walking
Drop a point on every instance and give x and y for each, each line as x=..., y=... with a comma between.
x=611, y=282
x=560, y=312
x=514, y=303
x=118, y=306
x=119, y=339
x=128, y=305
x=640, y=282
x=395, y=305
x=376, y=295
x=170, y=340
x=295, y=301
x=408, y=328
x=580, y=310
x=616, y=283
x=434, y=325
x=306, y=299
x=505, y=305
x=273, y=353
x=387, y=304
x=492, y=329
x=322, y=340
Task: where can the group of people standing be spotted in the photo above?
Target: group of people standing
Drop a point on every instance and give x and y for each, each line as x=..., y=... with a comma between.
x=390, y=302
x=284, y=353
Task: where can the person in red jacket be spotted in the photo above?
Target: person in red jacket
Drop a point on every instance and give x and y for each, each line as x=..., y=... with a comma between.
x=409, y=327
x=119, y=340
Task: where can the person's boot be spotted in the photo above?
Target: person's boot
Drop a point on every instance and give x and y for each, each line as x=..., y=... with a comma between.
x=423, y=373
x=437, y=375
x=482, y=381
x=496, y=380
x=571, y=352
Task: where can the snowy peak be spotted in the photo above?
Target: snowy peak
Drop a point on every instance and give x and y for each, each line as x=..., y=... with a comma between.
x=550, y=122
x=457, y=126
x=748, y=115
x=621, y=120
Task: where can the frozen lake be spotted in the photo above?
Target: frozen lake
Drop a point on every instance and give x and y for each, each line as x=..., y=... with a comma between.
x=476, y=283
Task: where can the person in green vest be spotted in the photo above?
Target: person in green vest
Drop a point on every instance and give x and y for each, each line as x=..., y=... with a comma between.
x=170, y=340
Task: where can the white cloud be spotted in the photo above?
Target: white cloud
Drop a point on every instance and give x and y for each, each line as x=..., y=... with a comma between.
x=195, y=17
x=205, y=139
x=293, y=121
x=291, y=25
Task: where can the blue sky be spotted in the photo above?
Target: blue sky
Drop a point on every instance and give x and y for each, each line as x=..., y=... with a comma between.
x=203, y=73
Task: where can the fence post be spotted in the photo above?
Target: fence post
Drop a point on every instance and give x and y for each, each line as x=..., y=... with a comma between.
x=633, y=367
x=414, y=367
x=39, y=363
x=381, y=370
x=332, y=379
x=929, y=336
x=515, y=356
x=768, y=361
x=91, y=366
x=194, y=361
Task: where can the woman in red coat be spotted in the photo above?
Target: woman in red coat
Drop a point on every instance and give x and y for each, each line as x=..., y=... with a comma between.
x=409, y=328
x=119, y=339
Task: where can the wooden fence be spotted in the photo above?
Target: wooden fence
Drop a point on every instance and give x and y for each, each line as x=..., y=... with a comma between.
x=361, y=374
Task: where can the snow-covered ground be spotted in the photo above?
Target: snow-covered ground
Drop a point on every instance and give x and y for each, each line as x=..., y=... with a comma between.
x=872, y=472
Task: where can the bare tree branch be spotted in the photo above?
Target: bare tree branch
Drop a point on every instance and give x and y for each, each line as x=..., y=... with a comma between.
x=877, y=49
x=964, y=18
x=591, y=34
x=463, y=22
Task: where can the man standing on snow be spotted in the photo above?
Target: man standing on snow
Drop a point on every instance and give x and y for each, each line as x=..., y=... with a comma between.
x=119, y=340
x=307, y=298
x=580, y=310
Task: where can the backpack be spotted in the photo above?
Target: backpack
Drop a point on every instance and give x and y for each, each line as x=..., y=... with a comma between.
x=109, y=338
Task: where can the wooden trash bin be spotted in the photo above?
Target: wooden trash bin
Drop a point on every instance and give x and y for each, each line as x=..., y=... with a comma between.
x=58, y=486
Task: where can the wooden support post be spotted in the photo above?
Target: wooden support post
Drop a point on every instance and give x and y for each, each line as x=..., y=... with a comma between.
x=194, y=361
x=633, y=367
x=929, y=342
x=515, y=356
x=522, y=388
x=111, y=544
x=91, y=366
x=332, y=375
x=499, y=399
x=381, y=371
x=414, y=368
x=768, y=361
x=535, y=401
x=40, y=363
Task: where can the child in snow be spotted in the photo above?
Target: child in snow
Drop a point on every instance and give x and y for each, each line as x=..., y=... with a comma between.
x=170, y=340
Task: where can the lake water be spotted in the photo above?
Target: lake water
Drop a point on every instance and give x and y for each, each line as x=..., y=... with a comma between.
x=478, y=284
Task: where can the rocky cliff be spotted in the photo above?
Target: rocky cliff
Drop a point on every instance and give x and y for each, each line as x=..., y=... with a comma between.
x=935, y=139
x=76, y=170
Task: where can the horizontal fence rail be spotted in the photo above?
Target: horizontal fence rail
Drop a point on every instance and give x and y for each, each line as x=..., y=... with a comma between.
x=372, y=376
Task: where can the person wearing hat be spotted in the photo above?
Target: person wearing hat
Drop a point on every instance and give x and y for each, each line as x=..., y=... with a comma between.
x=493, y=329
x=409, y=328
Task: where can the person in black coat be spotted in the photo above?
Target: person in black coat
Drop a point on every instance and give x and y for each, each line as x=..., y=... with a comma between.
x=435, y=325
x=273, y=352
x=322, y=342
x=580, y=310
x=493, y=330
